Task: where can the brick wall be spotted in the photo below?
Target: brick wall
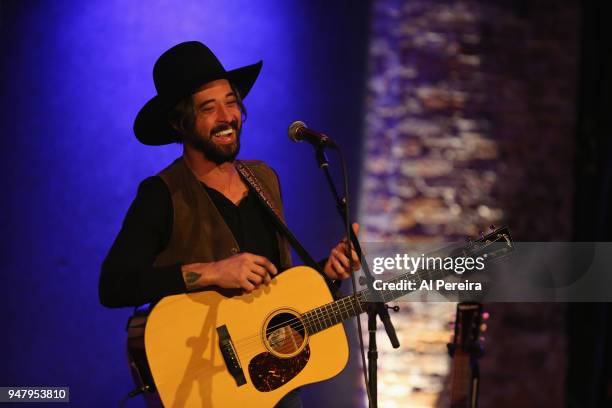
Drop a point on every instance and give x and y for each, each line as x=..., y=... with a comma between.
x=470, y=122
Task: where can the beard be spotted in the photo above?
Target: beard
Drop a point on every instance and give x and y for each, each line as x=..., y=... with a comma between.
x=212, y=151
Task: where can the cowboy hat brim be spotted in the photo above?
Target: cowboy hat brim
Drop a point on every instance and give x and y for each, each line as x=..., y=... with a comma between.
x=151, y=125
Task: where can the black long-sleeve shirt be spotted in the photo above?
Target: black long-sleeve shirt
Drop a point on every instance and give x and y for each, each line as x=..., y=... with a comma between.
x=128, y=276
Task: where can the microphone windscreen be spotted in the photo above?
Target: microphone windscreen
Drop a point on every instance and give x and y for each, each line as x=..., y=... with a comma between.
x=293, y=130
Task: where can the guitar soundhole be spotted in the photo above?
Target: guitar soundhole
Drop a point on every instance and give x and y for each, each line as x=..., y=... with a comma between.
x=284, y=334
x=285, y=338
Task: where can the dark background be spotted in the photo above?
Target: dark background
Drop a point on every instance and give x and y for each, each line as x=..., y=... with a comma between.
x=73, y=76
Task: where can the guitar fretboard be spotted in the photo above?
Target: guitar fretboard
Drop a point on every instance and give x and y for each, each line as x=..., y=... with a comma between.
x=334, y=313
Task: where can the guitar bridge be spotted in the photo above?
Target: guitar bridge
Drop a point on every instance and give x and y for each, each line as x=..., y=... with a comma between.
x=229, y=355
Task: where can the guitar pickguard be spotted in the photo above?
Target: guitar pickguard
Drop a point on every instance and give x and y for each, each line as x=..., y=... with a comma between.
x=269, y=372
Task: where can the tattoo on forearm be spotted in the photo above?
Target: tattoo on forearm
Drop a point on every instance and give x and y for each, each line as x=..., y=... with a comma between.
x=191, y=278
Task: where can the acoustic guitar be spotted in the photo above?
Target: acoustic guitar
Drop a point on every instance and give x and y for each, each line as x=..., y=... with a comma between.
x=211, y=349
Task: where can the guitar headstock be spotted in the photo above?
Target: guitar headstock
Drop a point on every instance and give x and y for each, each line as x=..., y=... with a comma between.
x=468, y=325
x=494, y=245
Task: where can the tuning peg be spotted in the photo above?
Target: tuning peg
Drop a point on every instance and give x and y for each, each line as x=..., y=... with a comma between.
x=492, y=227
x=394, y=308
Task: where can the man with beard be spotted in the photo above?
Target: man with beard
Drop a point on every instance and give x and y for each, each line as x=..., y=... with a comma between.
x=197, y=224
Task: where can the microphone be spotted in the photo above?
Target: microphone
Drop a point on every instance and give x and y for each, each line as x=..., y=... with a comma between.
x=298, y=132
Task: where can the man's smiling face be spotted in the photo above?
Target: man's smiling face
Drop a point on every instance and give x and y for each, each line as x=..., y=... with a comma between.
x=218, y=121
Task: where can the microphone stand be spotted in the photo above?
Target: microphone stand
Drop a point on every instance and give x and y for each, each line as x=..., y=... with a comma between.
x=374, y=308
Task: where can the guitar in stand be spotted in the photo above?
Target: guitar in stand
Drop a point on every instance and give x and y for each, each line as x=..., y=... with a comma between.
x=465, y=351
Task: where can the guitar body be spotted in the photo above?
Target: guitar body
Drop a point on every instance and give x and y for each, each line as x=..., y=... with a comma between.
x=265, y=350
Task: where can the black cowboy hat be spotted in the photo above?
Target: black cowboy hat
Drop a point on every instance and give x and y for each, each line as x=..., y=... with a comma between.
x=179, y=72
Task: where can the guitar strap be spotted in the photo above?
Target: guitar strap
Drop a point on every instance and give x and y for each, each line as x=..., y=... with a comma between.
x=255, y=186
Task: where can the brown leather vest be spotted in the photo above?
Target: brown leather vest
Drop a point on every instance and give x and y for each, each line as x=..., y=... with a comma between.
x=199, y=233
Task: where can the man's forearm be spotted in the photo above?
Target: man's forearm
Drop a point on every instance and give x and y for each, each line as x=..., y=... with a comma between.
x=198, y=275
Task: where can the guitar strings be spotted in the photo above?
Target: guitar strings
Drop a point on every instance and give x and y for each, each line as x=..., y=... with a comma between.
x=314, y=319
x=297, y=324
x=342, y=308
x=431, y=273
x=311, y=318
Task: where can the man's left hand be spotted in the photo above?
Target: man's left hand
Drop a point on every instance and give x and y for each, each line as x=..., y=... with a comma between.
x=337, y=265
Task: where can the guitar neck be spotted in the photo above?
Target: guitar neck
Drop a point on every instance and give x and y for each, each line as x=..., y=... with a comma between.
x=462, y=381
x=465, y=351
x=334, y=313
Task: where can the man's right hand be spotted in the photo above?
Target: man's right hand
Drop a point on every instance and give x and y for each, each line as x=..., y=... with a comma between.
x=241, y=271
